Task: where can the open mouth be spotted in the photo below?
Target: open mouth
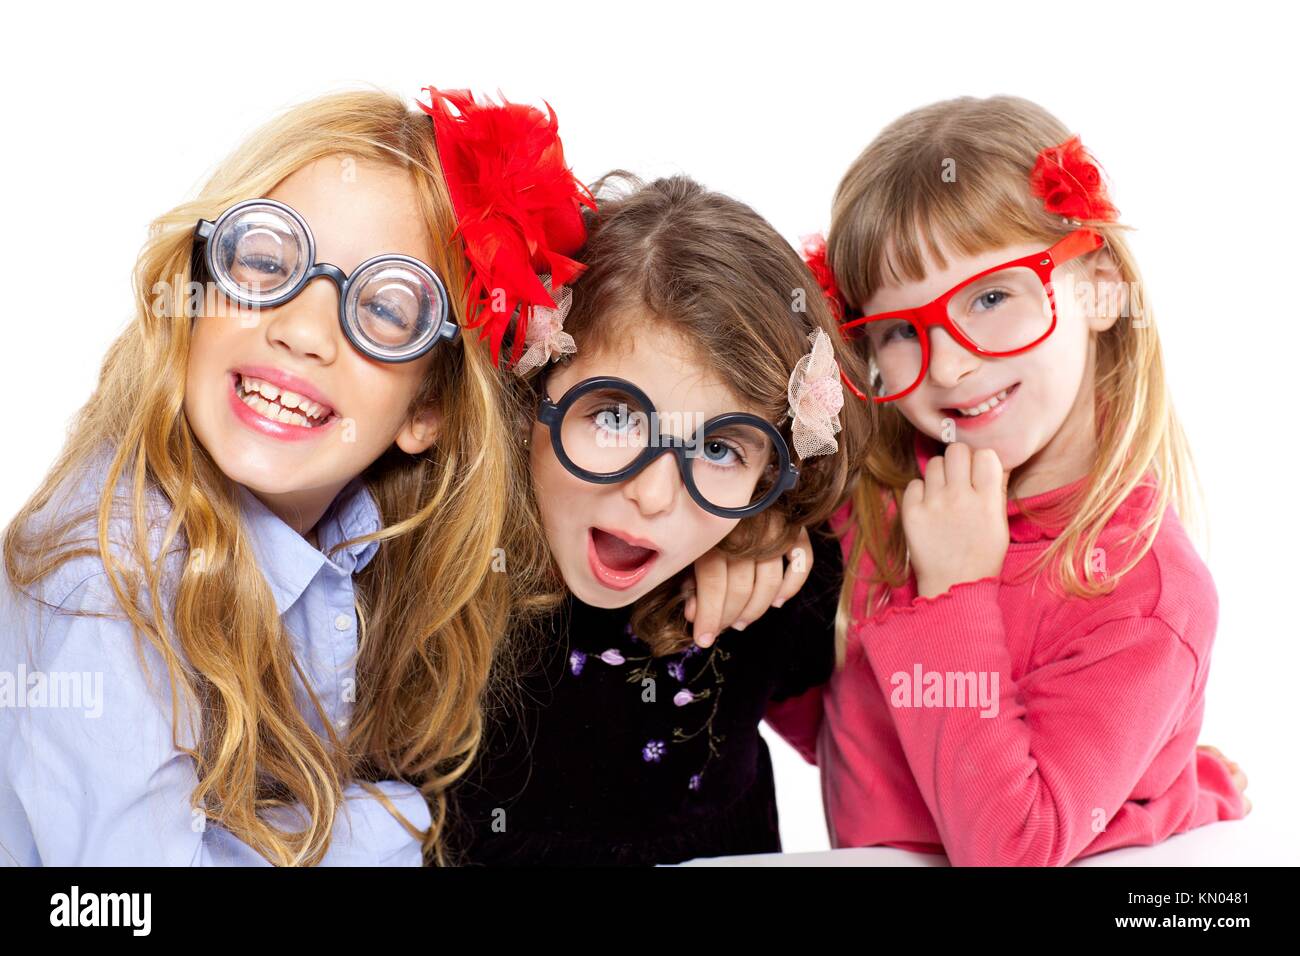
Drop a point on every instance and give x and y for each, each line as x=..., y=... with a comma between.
x=989, y=408
x=280, y=405
x=616, y=562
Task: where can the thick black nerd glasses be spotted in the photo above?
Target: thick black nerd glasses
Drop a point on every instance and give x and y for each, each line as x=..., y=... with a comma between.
x=606, y=430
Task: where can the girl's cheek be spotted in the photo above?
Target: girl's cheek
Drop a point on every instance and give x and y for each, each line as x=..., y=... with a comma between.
x=708, y=532
x=913, y=409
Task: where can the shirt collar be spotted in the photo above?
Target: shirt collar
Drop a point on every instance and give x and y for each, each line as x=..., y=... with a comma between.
x=289, y=562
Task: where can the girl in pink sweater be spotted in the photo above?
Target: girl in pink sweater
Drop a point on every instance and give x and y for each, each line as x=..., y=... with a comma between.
x=1025, y=627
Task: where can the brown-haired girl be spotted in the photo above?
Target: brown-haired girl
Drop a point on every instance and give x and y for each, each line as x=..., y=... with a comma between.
x=697, y=404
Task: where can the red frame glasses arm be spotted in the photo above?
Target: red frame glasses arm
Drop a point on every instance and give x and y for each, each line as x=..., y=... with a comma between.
x=1078, y=243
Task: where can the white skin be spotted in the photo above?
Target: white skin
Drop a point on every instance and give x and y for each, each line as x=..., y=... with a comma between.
x=653, y=505
x=955, y=518
x=370, y=211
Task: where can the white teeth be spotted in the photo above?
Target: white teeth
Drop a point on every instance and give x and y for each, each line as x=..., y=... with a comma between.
x=275, y=412
x=985, y=406
x=259, y=396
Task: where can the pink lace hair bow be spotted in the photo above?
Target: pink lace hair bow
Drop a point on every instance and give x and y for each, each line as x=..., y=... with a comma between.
x=816, y=398
x=546, y=339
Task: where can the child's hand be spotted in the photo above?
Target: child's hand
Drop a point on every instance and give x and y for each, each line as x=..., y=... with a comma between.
x=1238, y=777
x=733, y=592
x=955, y=519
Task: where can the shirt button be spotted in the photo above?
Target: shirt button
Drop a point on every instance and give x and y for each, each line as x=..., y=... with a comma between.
x=342, y=622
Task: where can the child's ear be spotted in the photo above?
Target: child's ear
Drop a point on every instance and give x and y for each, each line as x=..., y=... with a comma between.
x=1109, y=293
x=420, y=430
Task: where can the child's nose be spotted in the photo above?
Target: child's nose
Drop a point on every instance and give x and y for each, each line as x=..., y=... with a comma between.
x=308, y=324
x=949, y=362
x=655, y=488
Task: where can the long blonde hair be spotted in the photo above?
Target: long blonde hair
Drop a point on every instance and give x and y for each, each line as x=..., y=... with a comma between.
x=892, y=208
x=433, y=604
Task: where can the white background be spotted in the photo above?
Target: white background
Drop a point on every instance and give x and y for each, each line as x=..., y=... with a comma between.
x=114, y=114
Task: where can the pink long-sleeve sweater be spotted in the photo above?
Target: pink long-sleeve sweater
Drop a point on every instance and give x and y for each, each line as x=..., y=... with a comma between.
x=1003, y=724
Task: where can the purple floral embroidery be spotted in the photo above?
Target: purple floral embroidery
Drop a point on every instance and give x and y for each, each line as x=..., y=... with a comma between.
x=704, y=684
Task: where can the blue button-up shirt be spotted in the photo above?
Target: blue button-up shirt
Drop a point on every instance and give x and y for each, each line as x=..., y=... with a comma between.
x=89, y=773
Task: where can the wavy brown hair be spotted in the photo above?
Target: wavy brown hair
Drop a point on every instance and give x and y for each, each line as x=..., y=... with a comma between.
x=891, y=209
x=714, y=271
x=432, y=605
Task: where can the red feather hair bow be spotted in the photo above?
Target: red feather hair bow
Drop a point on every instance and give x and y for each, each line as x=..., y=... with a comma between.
x=518, y=207
x=1069, y=182
x=814, y=256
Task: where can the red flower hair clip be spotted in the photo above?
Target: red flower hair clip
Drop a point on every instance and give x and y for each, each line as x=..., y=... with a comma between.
x=814, y=256
x=518, y=207
x=1070, y=184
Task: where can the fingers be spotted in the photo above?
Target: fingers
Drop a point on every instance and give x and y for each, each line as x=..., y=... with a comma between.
x=722, y=593
x=798, y=567
x=934, y=476
x=986, y=471
x=740, y=586
x=1235, y=773
x=961, y=467
x=710, y=596
x=913, y=496
x=956, y=465
x=767, y=583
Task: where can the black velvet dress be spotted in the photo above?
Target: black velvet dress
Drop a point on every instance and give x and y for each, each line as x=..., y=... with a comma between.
x=610, y=756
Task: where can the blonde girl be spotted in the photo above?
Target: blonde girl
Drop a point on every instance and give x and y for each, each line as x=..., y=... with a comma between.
x=269, y=551
x=1026, y=628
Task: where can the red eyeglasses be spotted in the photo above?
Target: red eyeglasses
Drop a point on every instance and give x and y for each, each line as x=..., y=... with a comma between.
x=1002, y=311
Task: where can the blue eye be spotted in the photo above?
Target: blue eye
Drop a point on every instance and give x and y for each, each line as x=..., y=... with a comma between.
x=613, y=419
x=720, y=453
x=384, y=314
x=265, y=265
x=990, y=299
x=898, y=332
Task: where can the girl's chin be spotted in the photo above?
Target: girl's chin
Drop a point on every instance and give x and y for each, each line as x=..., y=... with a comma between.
x=587, y=588
x=1010, y=454
x=591, y=593
x=264, y=477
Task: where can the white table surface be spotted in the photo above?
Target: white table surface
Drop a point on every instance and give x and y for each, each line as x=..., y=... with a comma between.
x=1249, y=842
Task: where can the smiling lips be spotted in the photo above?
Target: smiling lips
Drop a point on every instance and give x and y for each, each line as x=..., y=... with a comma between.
x=278, y=405
x=984, y=411
x=617, y=562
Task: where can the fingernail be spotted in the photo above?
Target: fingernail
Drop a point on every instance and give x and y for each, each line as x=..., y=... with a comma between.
x=740, y=625
x=704, y=640
x=778, y=603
